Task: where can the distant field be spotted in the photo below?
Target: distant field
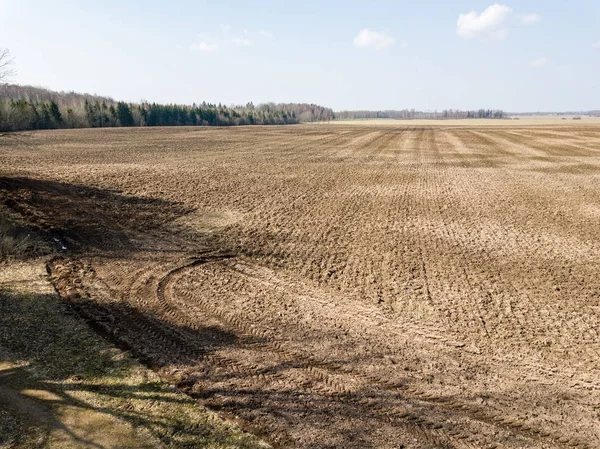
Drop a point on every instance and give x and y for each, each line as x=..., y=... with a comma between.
x=333, y=285
x=510, y=122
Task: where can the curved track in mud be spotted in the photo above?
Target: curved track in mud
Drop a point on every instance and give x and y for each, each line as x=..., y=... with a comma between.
x=342, y=286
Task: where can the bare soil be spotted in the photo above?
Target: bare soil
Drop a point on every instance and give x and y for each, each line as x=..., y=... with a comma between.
x=340, y=286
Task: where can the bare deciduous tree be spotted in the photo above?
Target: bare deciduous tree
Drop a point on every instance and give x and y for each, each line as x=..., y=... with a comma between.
x=6, y=71
x=5, y=65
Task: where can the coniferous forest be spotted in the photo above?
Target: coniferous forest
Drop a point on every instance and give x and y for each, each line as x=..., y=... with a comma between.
x=29, y=108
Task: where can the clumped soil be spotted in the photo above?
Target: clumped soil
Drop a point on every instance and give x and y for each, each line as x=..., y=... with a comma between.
x=340, y=286
x=19, y=241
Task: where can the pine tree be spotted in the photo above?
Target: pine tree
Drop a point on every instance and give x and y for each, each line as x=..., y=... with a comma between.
x=55, y=114
x=124, y=114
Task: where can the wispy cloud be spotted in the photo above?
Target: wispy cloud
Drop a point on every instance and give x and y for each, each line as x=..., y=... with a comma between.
x=529, y=19
x=373, y=40
x=242, y=42
x=490, y=23
x=539, y=62
x=204, y=47
x=229, y=37
x=596, y=44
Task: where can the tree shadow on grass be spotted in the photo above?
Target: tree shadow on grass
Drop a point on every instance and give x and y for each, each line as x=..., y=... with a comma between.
x=59, y=378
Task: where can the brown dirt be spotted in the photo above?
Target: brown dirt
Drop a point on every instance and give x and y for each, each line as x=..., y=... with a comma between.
x=340, y=286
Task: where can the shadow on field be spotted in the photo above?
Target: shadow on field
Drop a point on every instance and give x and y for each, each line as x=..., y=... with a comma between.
x=84, y=217
x=268, y=399
x=38, y=334
x=278, y=400
x=61, y=384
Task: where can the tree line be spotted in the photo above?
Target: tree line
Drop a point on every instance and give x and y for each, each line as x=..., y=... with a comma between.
x=30, y=108
x=409, y=114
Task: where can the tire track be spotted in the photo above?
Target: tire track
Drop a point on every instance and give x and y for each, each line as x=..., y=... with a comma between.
x=384, y=384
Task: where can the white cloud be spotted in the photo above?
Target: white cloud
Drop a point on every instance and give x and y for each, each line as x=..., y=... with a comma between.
x=530, y=19
x=242, y=42
x=539, y=62
x=490, y=23
x=373, y=39
x=204, y=47
x=228, y=38
x=596, y=44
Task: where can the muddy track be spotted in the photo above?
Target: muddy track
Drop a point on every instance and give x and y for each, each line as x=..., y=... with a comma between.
x=341, y=286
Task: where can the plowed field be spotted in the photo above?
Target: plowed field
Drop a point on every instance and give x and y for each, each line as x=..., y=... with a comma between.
x=339, y=286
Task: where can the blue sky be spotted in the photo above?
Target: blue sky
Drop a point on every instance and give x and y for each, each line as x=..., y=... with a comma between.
x=431, y=54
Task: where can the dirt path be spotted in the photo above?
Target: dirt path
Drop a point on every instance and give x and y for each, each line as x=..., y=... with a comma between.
x=342, y=286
